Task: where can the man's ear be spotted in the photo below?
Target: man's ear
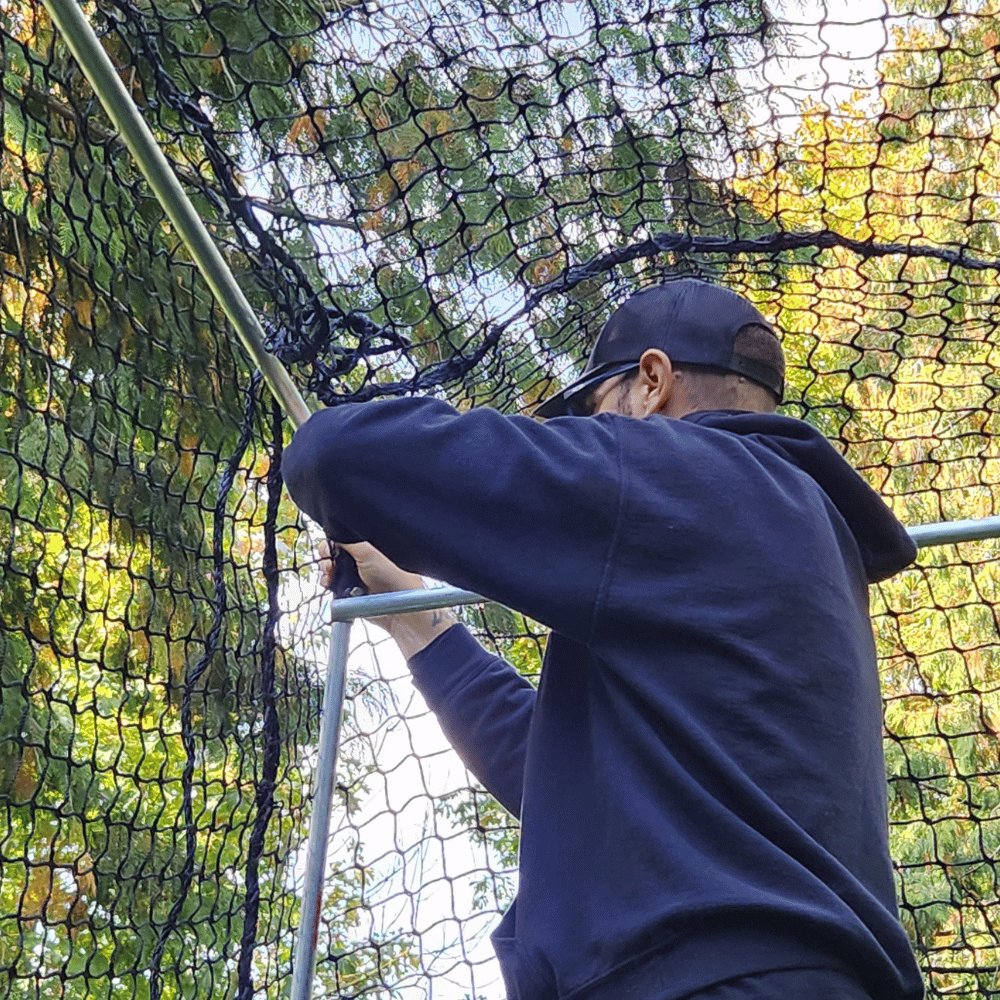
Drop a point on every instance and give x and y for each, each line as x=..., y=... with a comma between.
x=655, y=382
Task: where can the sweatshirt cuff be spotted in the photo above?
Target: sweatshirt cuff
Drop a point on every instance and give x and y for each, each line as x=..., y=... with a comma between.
x=444, y=660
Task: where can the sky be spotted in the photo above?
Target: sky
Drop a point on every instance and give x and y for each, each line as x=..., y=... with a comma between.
x=430, y=891
x=423, y=764
x=834, y=45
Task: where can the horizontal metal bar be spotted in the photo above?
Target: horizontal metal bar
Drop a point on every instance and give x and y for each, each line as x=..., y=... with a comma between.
x=950, y=532
x=373, y=605
x=403, y=601
x=121, y=109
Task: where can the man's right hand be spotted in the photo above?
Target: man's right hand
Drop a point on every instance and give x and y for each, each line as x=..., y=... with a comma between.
x=380, y=575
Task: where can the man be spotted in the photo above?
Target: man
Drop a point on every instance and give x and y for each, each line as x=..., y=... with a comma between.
x=700, y=778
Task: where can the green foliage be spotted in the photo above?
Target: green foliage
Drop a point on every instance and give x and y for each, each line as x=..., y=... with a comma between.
x=120, y=405
x=445, y=174
x=894, y=356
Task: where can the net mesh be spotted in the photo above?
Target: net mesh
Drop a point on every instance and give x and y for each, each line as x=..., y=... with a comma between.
x=446, y=199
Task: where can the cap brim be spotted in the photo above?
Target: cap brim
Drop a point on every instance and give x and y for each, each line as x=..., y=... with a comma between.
x=554, y=406
x=557, y=405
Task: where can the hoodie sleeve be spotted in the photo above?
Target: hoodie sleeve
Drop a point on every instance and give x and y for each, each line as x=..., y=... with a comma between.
x=521, y=512
x=484, y=707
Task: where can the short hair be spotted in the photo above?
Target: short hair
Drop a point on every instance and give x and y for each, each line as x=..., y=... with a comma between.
x=759, y=343
x=753, y=342
x=710, y=387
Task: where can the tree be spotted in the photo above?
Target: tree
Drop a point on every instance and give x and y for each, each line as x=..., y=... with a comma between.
x=151, y=729
x=891, y=336
x=442, y=199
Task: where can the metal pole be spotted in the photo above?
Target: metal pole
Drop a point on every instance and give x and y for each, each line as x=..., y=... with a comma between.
x=373, y=605
x=319, y=828
x=951, y=532
x=121, y=109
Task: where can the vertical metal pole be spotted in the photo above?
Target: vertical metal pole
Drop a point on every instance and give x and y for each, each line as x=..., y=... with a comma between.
x=319, y=825
x=121, y=109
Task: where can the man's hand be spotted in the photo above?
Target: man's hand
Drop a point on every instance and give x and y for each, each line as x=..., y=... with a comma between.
x=380, y=575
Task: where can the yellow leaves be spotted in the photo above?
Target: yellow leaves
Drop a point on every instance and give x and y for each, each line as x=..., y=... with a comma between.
x=188, y=441
x=300, y=52
x=37, y=628
x=55, y=888
x=50, y=897
x=309, y=127
x=382, y=192
x=372, y=110
x=437, y=121
x=37, y=893
x=212, y=52
x=541, y=272
x=387, y=189
x=388, y=185
x=26, y=779
x=45, y=671
x=126, y=71
x=896, y=124
x=884, y=171
x=525, y=654
x=83, y=311
x=483, y=87
x=406, y=172
x=78, y=324
x=533, y=395
x=84, y=872
x=26, y=21
x=177, y=665
x=139, y=650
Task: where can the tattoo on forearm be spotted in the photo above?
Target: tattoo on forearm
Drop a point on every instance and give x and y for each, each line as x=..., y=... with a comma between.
x=439, y=617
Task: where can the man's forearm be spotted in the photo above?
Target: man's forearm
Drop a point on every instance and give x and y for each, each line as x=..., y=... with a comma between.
x=416, y=630
x=412, y=632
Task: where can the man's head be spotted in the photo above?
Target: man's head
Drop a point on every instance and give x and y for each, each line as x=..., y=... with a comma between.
x=675, y=349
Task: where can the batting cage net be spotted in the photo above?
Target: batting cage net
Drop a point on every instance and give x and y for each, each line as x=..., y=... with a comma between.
x=446, y=199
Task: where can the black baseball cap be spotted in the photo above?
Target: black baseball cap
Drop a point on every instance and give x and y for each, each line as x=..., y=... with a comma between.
x=691, y=321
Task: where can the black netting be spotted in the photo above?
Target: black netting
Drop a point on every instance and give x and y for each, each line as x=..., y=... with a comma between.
x=448, y=199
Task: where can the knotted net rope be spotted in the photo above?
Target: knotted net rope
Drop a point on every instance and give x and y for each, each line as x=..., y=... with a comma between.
x=448, y=199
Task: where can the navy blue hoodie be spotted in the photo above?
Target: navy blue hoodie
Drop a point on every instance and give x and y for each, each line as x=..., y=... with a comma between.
x=700, y=778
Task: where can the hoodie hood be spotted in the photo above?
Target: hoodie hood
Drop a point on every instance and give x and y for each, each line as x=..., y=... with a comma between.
x=885, y=545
